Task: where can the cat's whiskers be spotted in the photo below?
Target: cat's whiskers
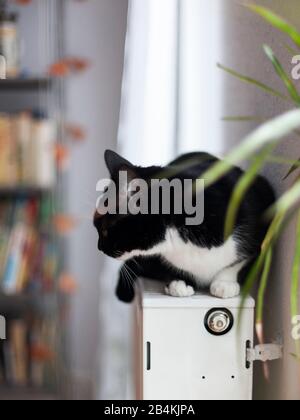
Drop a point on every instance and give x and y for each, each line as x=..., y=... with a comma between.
x=124, y=274
x=130, y=270
x=128, y=277
x=136, y=263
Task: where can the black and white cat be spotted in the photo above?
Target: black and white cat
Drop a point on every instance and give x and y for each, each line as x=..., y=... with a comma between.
x=186, y=258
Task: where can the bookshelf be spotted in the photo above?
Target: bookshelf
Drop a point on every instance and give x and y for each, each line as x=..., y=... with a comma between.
x=23, y=85
x=23, y=191
x=32, y=364
x=16, y=306
x=25, y=394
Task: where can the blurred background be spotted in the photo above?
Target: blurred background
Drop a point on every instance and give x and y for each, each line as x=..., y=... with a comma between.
x=136, y=76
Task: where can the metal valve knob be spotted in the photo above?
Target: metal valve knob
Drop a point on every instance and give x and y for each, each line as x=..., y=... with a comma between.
x=219, y=321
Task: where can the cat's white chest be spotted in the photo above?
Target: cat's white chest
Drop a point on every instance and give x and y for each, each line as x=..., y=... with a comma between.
x=204, y=264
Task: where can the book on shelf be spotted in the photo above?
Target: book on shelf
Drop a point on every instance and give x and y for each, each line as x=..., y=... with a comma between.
x=27, y=151
x=8, y=152
x=28, y=265
x=27, y=357
x=18, y=354
x=28, y=261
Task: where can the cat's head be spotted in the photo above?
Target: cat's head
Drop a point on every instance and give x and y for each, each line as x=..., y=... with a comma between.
x=124, y=236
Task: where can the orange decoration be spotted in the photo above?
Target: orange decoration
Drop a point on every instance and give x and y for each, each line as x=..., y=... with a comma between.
x=41, y=353
x=76, y=132
x=64, y=224
x=62, y=156
x=77, y=64
x=59, y=69
x=23, y=2
x=67, y=284
x=66, y=66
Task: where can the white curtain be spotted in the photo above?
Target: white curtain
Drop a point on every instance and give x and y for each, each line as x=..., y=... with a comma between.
x=172, y=92
x=147, y=127
x=200, y=81
x=171, y=104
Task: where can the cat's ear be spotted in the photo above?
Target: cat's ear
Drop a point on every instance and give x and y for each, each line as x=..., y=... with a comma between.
x=115, y=162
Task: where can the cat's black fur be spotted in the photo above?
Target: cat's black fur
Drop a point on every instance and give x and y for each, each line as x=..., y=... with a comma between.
x=120, y=234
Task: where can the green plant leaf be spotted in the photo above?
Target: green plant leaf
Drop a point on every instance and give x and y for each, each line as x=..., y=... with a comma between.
x=287, y=200
x=296, y=279
x=296, y=274
x=294, y=168
x=279, y=223
x=244, y=118
x=263, y=286
x=295, y=356
x=291, y=50
x=253, y=275
x=273, y=130
x=250, y=281
x=282, y=74
x=283, y=161
x=278, y=22
x=254, y=82
x=273, y=231
x=242, y=187
x=268, y=244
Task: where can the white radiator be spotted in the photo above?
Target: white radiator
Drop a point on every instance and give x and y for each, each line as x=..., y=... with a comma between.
x=193, y=348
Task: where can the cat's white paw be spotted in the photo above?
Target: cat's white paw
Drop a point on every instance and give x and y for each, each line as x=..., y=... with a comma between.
x=225, y=289
x=179, y=288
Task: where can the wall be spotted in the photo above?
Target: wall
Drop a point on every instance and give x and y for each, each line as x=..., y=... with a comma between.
x=244, y=35
x=99, y=91
x=96, y=31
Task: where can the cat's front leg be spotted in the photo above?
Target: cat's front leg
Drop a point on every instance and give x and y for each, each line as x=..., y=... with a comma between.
x=179, y=288
x=225, y=289
x=225, y=285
